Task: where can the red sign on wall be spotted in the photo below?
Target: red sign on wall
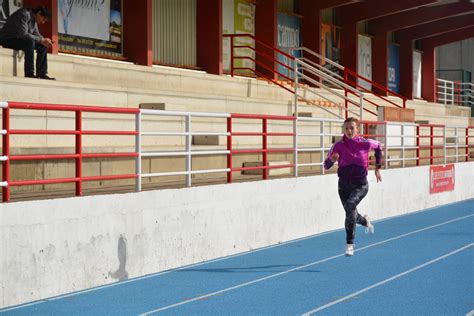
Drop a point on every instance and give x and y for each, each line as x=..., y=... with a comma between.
x=441, y=178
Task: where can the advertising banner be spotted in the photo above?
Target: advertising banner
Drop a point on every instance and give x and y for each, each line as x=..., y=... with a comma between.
x=288, y=37
x=417, y=75
x=238, y=18
x=90, y=27
x=441, y=178
x=326, y=42
x=364, y=61
x=394, y=67
x=7, y=7
x=330, y=42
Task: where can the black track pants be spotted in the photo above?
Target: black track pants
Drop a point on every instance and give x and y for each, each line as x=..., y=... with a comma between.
x=351, y=195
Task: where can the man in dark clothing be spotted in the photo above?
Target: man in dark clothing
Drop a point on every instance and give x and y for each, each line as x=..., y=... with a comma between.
x=21, y=32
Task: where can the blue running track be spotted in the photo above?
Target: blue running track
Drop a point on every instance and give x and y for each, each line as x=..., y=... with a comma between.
x=417, y=264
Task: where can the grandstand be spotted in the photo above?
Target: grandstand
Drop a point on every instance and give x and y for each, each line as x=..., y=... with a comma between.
x=167, y=151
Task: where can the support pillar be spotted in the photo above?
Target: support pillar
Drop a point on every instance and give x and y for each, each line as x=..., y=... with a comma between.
x=209, y=36
x=311, y=25
x=266, y=31
x=406, y=68
x=349, y=45
x=137, y=31
x=428, y=74
x=380, y=60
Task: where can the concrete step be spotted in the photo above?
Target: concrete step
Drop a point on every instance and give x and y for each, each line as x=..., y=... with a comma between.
x=121, y=82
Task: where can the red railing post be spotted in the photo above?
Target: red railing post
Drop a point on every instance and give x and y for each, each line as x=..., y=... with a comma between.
x=229, y=148
x=6, y=153
x=418, y=145
x=79, y=153
x=431, y=144
x=264, y=147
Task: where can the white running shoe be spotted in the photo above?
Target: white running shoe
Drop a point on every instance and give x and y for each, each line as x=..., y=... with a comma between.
x=349, y=249
x=370, y=227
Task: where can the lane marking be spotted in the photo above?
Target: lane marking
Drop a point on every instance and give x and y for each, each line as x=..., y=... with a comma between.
x=311, y=312
x=299, y=268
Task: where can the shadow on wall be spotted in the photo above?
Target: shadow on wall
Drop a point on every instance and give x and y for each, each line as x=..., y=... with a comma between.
x=121, y=274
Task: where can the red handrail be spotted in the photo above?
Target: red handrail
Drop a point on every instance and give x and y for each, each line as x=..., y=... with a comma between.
x=274, y=72
x=257, y=62
x=78, y=156
x=262, y=43
x=431, y=146
x=373, y=83
x=468, y=153
x=264, y=150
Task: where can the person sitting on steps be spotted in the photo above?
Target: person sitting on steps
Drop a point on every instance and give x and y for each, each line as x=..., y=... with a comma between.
x=21, y=32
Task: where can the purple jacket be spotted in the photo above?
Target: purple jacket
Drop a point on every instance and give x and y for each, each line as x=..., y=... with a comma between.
x=354, y=158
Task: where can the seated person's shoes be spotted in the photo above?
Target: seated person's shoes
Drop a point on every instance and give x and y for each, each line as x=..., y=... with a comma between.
x=30, y=76
x=46, y=77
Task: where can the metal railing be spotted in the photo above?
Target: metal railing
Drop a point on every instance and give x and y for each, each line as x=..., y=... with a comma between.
x=404, y=143
x=78, y=132
x=453, y=92
x=188, y=152
x=348, y=77
x=263, y=58
x=292, y=68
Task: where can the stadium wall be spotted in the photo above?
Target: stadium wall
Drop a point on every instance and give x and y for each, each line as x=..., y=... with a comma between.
x=51, y=247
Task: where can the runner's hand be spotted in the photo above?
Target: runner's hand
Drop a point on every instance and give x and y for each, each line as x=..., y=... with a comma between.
x=378, y=175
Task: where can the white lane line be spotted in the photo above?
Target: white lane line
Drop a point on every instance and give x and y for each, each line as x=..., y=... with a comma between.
x=298, y=268
x=386, y=281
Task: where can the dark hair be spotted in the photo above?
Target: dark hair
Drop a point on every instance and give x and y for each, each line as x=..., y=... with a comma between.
x=352, y=119
x=43, y=11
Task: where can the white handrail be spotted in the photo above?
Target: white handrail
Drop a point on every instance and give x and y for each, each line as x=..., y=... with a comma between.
x=447, y=93
x=188, y=153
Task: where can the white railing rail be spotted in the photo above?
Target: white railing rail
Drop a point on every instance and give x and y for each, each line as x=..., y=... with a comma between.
x=402, y=141
x=445, y=91
x=304, y=66
x=451, y=92
x=188, y=152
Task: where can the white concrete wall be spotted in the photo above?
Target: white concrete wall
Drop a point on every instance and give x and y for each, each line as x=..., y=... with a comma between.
x=57, y=246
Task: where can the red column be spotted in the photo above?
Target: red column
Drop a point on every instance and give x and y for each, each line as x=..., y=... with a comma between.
x=349, y=45
x=311, y=30
x=209, y=36
x=406, y=68
x=428, y=74
x=266, y=31
x=380, y=60
x=137, y=31
x=50, y=28
x=311, y=25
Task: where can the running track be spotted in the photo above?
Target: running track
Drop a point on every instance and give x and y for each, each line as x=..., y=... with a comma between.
x=417, y=264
